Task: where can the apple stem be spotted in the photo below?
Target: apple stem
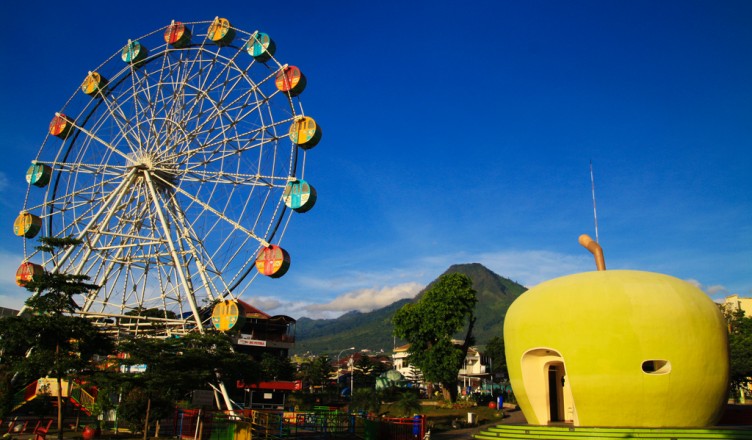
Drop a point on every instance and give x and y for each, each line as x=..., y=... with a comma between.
x=595, y=249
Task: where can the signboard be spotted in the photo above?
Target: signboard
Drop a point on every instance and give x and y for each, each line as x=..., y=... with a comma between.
x=251, y=342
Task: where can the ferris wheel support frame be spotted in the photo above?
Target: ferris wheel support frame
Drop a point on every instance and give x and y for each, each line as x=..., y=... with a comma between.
x=179, y=266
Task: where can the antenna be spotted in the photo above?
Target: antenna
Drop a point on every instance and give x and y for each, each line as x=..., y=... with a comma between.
x=595, y=211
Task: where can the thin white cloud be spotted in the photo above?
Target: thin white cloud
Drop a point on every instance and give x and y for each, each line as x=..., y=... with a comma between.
x=265, y=303
x=355, y=280
x=717, y=292
x=366, y=300
x=362, y=300
x=694, y=282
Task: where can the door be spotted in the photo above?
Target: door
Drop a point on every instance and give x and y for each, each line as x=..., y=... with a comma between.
x=555, y=392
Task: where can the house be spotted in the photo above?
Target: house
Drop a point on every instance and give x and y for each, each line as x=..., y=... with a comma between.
x=402, y=365
x=472, y=373
x=733, y=303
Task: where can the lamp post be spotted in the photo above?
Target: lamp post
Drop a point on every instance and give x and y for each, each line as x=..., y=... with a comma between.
x=338, y=355
x=352, y=376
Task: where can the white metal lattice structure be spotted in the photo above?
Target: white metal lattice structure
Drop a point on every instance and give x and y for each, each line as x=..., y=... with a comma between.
x=170, y=163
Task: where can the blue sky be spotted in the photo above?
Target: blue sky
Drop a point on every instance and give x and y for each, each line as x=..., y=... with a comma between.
x=458, y=133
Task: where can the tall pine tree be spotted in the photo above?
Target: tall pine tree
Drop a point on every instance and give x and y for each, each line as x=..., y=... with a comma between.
x=49, y=339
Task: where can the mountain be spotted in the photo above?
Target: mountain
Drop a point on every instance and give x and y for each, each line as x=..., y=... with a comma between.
x=373, y=330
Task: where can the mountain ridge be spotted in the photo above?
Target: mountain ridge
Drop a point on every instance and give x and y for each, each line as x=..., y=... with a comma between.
x=373, y=330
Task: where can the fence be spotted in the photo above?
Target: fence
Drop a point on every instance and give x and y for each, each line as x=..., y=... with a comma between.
x=393, y=428
x=322, y=424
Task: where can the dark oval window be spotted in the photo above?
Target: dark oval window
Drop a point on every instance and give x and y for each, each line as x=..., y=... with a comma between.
x=656, y=366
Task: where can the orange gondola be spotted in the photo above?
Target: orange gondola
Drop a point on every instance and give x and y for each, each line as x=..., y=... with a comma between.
x=26, y=272
x=61, y=126
x=273, y=261
x=290, y=80
x=177, y=35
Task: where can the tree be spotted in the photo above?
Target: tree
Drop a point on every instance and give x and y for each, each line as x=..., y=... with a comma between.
x=366, y=370
x=314, y=372
x=276, y=367
x=496, y=352
x=365, y=400
x=429, y=325
x=407, y=405
x=49, y=339
x=740, y=350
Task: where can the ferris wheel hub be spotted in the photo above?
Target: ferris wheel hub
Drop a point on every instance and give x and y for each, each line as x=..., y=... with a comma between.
x=156, y=164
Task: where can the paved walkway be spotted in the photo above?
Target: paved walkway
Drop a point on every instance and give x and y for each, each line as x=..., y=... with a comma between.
x=511, y=418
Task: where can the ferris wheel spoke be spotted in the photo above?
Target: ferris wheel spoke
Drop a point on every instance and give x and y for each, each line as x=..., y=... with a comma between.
x=212, y=77
x=254, y=90
x=230, y=178
x=139, y=102
x=101, y=141
x=110, y=201
x=102, y=278
x=218, y=152
x=115, y=171
x=220, y=111
x=166, y=122
x=71, y=200
x=218, y=214
x=197, y=250
x=121, y=123
x=242, y=110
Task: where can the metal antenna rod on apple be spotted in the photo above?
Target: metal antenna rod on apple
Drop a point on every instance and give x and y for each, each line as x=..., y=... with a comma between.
x=595, y=212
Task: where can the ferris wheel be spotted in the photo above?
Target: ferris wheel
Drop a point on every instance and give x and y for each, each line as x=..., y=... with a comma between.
x=177, y=164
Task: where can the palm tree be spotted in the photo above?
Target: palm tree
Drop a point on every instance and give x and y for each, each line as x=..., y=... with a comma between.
x=407, y=405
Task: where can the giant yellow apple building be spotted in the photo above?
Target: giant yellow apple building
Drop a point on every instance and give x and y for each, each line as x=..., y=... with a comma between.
x=617, y=348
